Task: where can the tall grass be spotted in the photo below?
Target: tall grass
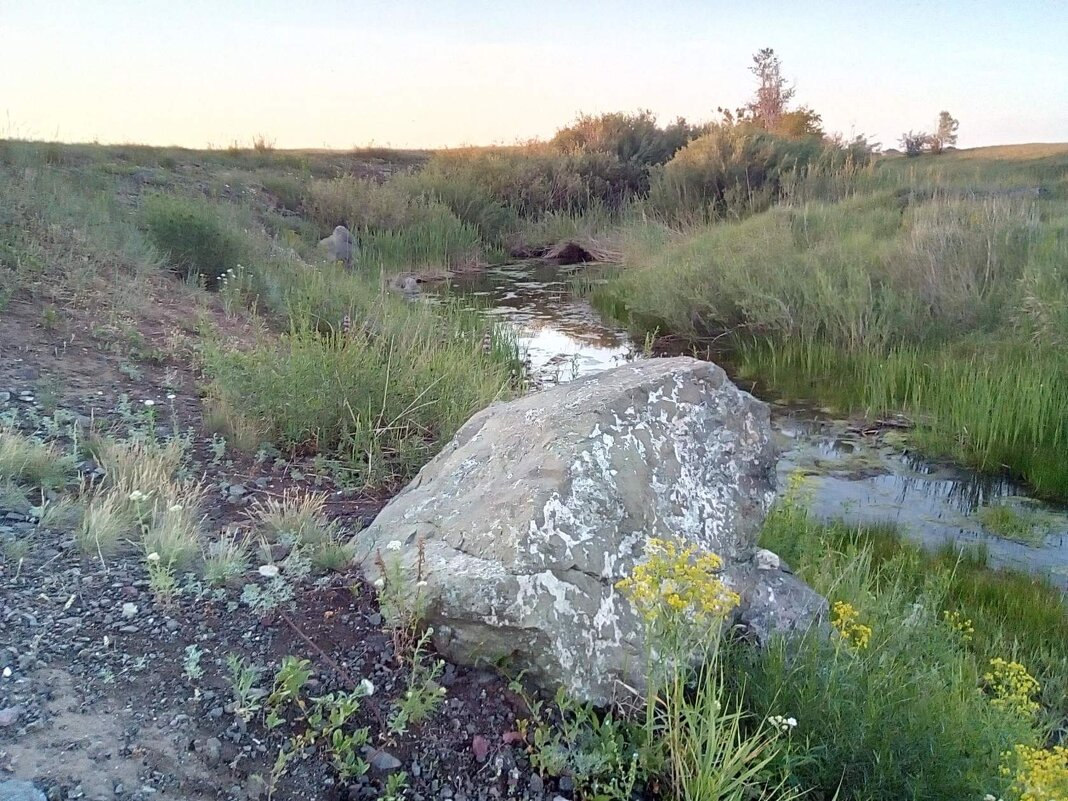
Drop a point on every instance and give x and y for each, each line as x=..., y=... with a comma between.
x=903, y=717
x=1013, y=614
x=997, y=407
x=896, y=293
x=381, y=398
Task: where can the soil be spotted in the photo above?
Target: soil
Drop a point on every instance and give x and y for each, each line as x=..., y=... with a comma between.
x=96, y=700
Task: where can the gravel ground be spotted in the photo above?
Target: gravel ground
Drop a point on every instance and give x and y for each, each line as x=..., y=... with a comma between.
x=95, y=698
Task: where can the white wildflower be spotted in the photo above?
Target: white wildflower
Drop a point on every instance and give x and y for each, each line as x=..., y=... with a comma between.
x=171, y=396
x=137, y=496
x=393, y=545
x=176, y=508
x=420, y=583
x=268, y=571
x=380, y=583
x=153, y=557
x=149, y=403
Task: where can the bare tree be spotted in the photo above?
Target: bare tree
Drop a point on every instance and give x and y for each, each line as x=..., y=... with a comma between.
x=773, y=95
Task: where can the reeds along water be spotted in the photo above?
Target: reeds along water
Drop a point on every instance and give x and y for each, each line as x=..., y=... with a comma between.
x=924, y=292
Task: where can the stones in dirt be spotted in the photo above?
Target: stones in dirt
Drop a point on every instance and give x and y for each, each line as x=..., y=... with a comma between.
x=540, y=505
x=20, y=791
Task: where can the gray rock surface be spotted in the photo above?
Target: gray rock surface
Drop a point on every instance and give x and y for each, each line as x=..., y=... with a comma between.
x=15, y=790
x=540, y=505
x=339, y=246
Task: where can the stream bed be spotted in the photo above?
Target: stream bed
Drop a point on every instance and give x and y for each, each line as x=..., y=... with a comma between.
x=852, y=475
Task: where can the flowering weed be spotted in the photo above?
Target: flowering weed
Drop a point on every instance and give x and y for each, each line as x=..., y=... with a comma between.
x=1037, y=774
x=1012, y=688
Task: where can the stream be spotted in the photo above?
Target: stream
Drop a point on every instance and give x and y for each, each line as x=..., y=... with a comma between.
x=852, y=476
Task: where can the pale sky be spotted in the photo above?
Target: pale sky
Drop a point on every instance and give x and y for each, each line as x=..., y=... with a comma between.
x=328, y=73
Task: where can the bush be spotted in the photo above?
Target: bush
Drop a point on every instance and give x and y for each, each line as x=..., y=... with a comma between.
x=194, y=238
x=731, y=170
x=360, y=204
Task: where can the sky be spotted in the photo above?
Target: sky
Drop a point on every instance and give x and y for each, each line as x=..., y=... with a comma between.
x=328, y=73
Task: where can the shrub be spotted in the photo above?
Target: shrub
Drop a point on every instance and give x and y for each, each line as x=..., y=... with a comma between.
x=193, y=236
x=381, y=404
x=731, y=170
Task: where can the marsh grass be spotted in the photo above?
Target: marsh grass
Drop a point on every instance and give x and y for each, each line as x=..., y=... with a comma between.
x=995, y=406
x=381, y=398
x=1013, y=614
x=901, y=717
x=1020, y=525
x=936, y=290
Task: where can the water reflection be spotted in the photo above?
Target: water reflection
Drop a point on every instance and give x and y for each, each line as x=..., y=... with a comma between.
x=851, y=476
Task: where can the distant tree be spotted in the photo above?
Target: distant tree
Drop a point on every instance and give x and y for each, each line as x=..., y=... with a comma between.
x=946, y=135
x=915, y=143
x=773, y=96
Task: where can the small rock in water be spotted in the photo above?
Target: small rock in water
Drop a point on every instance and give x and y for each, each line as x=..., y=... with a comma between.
x=20, y=791
x=129, y=609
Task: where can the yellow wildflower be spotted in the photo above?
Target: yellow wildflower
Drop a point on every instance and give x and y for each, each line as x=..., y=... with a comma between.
x=844, y=619
x=960, y=624
x=1012, y=687
x=1038, y=774
x=677, y=583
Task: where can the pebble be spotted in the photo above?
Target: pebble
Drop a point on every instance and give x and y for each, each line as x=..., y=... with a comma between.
x=9, y=716
x=536, y=784
x=381, y=760
x=212, y=750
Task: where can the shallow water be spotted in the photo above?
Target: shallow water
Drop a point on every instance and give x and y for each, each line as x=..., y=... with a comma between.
x=850, y=476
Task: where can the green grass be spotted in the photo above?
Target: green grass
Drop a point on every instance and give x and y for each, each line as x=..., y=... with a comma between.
x=1020, y=525
x=933, y=286
x=904, y=717
x=192, y=237
x=30, y=462
x=1014, y=614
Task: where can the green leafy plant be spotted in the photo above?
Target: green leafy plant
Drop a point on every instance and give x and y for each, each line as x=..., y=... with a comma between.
x=244, y=684
x=424, y=695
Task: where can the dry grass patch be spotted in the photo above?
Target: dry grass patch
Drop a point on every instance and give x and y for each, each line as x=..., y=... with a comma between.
x=28, y=461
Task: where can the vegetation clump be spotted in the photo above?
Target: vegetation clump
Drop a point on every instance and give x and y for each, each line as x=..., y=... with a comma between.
x=192, y=236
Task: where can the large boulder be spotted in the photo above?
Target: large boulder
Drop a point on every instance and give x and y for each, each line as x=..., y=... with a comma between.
x=535, y=510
